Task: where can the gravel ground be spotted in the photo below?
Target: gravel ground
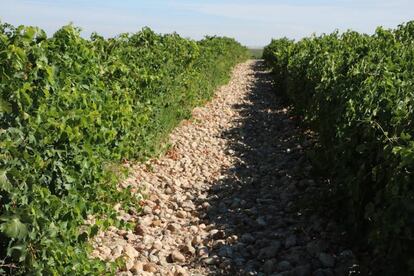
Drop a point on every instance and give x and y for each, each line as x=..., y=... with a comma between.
x=230, y=196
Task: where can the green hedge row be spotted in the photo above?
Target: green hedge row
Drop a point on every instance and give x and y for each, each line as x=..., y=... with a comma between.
x=70, y=110
x=357, y=92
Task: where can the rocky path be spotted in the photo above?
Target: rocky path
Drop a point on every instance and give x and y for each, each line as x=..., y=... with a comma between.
x=231, y=196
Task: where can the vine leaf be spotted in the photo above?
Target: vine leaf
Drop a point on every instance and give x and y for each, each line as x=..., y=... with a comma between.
x=5, y=107
x=13, y=228
x=5, y=184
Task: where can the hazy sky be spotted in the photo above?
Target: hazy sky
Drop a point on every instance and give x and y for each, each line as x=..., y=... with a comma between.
x=253, y=23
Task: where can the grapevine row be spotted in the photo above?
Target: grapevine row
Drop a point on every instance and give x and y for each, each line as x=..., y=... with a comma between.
x=70, y=110
x=357, y=92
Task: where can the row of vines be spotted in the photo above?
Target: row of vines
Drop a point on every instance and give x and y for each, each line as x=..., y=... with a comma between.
x=357, y=92
x=71, y=109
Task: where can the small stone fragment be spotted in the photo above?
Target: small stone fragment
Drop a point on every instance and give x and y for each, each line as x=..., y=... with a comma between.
x=181, y=214
x=156, y=223
x=225, y=251
x=131, y=252
x=177, y=257
x=202, y=251
x=149, y=267
x=261, y=221
x=210, y=261
x=157, y=245
x=326, y=260
x=323, y=272
x=147, y=210
x=270, y=251
x=302, y=270
x=196, y=240
x=247, y=238
x=290, y=241
x=269, y=266
x=284, y=265
x=139, y=230
x=131, y=237
x=137, y=268
x=217, y=234
x=180, y=271
x=105, y=251
x=174, y=227
x=129, y=264
x=315, y=247
x=117, y=251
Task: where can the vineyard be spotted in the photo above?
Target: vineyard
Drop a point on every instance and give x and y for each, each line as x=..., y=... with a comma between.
x=71, y=109
x=357, y=92
x=153, y=154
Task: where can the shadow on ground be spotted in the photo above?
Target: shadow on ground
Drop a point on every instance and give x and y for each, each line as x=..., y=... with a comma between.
x=267, y=227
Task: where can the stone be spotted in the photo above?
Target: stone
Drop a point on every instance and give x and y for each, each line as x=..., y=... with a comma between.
x=117, y=251
x=283, y=266
x=187, y=249
x=149, y=267
x=346, y=254
x=323, y=272
x=235, y=203
x=105, y=251
x=302, y=270
x=269, y=251
x=180, y=271
x=131, y=237
x=219, y=235
x=196, y=240
x=147, y=210
x=188, y=206
x=194, y=229
x=239, y=261
x=177, y=257
x=163, y=259
x=174, y=227
x=148, y=241
x=219, y=243
x=326, y=260
x=156, y=223
x=247, y=238
x=146, y=221
x=225, y=264
x=290, y=241
x=232, y=239
x=261, y=221
x=137, y=268
x=130, y=251
x=316, y=247
x=129, y=264
x=269, y=266
x=203, y=252
x=95, y=254
x=210, y=261
x=205, y=205
x=225, y=251
x=181, y=214
x=139, y=230
x=157, y=245
x=152, y=258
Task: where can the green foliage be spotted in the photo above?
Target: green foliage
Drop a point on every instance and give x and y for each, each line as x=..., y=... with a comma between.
x=71, y=108
x=357, y=92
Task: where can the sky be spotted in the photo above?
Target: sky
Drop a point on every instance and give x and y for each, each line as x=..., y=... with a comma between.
x=253, y=23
